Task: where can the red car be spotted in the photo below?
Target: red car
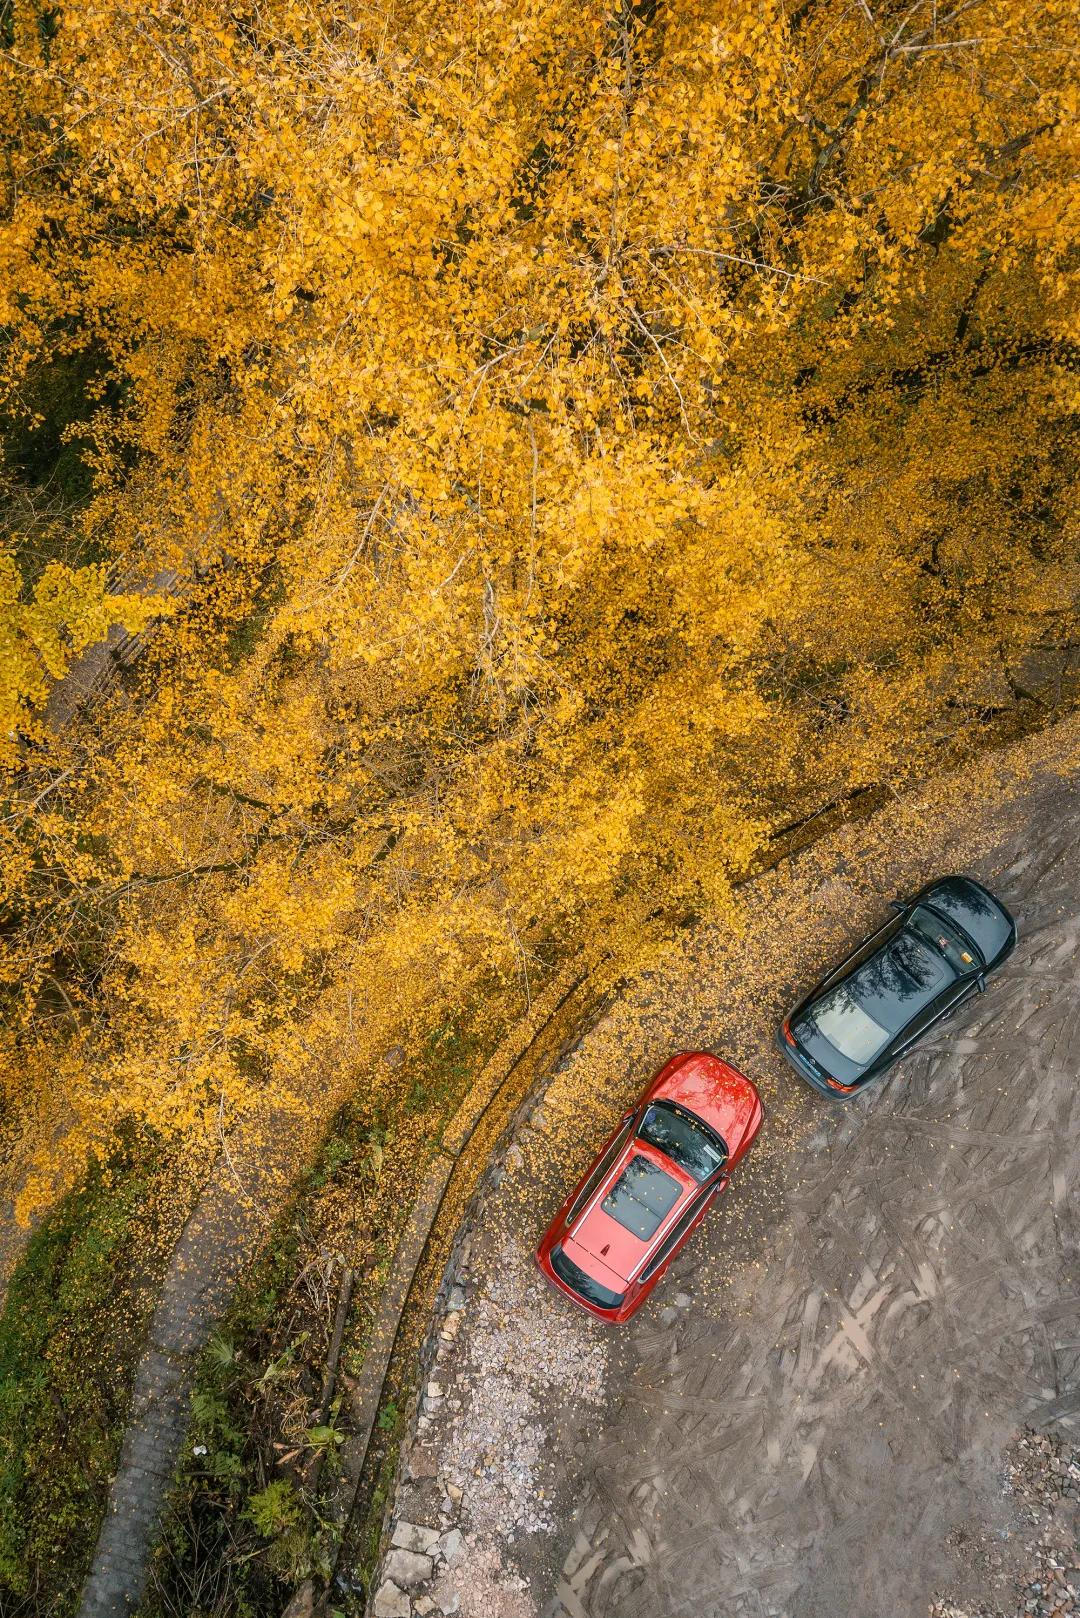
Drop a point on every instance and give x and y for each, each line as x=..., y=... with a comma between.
x=652, y=1183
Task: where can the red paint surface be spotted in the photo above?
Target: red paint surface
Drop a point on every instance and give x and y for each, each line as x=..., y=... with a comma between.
x=612, y=1255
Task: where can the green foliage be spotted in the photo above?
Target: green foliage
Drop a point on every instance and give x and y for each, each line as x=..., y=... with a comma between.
x=68, y=1340
x=451, y=1055
x=236, y=1526
x=274, y=1509
x=42, y=446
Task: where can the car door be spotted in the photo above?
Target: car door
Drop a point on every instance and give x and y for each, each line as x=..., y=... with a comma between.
x=942, y=1006
x=962, y=992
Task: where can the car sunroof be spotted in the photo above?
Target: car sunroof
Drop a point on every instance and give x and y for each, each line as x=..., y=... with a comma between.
x=641, y=1196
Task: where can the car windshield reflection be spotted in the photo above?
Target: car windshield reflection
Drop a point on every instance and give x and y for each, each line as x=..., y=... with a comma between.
x=683, y=1138
x=948, y=943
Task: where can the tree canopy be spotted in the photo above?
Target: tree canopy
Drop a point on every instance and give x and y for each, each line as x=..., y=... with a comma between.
x=583, y=438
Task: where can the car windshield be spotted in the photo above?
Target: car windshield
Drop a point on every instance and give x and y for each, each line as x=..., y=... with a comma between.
x=942, y=938
x=684, y=1138
x=641, y=1196
x=579, y=1281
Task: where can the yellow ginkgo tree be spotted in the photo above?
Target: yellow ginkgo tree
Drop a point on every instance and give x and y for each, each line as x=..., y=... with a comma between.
x=584, y=439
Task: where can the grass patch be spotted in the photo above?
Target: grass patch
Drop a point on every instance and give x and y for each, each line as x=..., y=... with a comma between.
x=244, y=1523
x=247, y=1518
x=69, y=1338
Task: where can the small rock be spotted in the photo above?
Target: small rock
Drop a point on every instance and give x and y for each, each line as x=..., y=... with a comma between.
x=412, y=1536
x=423, y=1605
x=422, y=1463
x=449, y=1605
x=454, y=1492
x=450, y=1546
x=682, y=1300
x=434, y=1390
x=390, y=1602
x=302, y=1604
x=408, y=1568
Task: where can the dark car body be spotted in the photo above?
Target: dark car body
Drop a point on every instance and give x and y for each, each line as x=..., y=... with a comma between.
x=934, y=953
x=651, y=1184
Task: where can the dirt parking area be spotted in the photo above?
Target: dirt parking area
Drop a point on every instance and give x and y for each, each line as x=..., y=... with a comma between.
x=814, y=1414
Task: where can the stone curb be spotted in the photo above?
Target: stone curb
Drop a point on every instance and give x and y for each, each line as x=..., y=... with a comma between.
x=448, y=1164
x=442, y=1332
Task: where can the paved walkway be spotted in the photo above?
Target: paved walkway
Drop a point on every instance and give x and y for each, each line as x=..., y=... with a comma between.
x=823, y=1384
x=217, y=1243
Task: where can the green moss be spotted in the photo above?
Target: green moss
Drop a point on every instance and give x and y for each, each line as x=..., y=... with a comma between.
x=69, y=1339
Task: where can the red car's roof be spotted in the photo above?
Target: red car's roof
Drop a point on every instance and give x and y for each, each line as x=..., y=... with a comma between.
x=607, y=1244
x=714, y=1092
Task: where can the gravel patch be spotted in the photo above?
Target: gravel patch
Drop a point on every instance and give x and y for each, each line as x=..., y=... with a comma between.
x=1033, y=1570
x=475, y=1474
x=482, y=1589
x=526, y=1352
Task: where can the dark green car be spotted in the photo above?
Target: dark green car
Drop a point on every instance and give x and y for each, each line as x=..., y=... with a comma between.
x=934, y=952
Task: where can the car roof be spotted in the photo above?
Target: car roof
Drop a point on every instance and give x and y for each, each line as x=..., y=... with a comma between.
x=604, y=1240
x=898, y=980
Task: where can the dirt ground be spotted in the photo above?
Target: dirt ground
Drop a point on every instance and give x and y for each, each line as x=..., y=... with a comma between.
x=812, y=1416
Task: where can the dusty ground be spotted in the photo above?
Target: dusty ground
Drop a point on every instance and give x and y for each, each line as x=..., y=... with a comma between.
x=811, y=1417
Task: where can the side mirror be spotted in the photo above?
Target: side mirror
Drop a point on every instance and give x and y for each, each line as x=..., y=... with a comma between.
x=899, y=905
x=980, y=983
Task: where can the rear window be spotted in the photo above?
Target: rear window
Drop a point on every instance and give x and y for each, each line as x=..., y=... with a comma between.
x=844, y=1023
x=641, y=1196
x=582, y=1283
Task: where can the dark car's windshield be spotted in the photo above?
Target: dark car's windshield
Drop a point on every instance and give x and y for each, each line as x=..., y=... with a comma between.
x=685, y=1139
x=579, y=1281
x=641, y=1196
x=861, y=1016
x=975, y=912
x=955, y=948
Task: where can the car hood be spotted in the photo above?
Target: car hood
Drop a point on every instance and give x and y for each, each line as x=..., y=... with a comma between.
x=717, y=1094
